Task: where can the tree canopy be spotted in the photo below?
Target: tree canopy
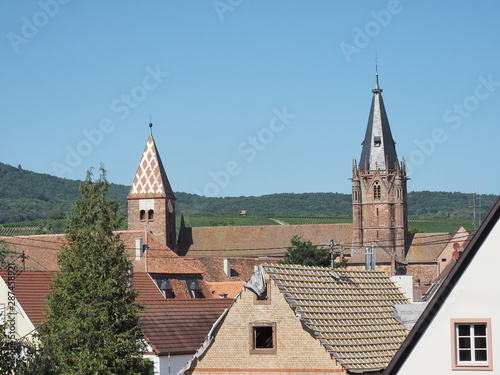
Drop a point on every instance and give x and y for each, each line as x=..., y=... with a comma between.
x=307, y=254
x=92, y=324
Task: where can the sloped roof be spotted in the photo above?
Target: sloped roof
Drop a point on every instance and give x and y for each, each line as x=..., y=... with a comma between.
x=262, y=240
x=382, y=255
x=30, y=289
x=241, y=268
x=151, y=180
x=175, y=326
x=379, y=148
x=40, y=252
x=445, y=290
x=181, y=326
x=426, y=247
x=231, y=288
x=351, y=316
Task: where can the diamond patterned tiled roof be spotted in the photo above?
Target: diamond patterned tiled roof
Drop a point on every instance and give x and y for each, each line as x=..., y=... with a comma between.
x=352, y=316
x=151, y=180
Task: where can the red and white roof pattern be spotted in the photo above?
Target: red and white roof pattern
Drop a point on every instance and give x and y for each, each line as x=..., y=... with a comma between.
x=151, y=180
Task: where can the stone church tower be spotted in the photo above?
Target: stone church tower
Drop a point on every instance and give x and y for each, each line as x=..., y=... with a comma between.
x=151, y=201
x=379, y=188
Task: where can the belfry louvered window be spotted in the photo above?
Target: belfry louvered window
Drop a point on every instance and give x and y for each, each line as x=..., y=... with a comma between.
x=376, y=190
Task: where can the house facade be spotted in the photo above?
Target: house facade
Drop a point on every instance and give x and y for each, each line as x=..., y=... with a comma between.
x=459, y=331
x=306, y=320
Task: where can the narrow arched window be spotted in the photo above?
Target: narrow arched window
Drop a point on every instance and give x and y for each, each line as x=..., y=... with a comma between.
x=376, y=190
x=142, y=215
x=151, y=215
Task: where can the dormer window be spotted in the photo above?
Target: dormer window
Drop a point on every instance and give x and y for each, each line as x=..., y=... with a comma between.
x=377, y=141
x=164, y=285
x=194, y=288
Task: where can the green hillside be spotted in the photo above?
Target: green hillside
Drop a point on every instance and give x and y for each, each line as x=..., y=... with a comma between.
x=27, y=196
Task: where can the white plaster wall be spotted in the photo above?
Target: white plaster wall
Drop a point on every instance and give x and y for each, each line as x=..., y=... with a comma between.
x=166, y=366
x=405, y=284
x=23, y=326
x=173, y=364
x=475, y=296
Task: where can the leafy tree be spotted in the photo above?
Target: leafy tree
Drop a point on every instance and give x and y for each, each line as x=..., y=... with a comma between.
x=92, y=324
x=307, y=254
x=16, y=355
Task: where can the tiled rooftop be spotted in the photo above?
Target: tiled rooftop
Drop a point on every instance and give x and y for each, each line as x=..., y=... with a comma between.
x=175, y=326
x=352, y=316
x=181, y=326
x=262, y=240
x=426, y=247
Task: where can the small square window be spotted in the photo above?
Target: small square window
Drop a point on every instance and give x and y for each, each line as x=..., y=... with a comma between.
x=263, y=338
x=471, y=344
x=377, y=141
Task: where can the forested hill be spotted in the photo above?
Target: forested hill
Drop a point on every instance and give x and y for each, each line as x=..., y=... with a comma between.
x=26, y=196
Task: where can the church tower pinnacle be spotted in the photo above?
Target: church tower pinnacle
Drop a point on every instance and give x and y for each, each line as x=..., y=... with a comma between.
x=151, y=200
x=379, y=188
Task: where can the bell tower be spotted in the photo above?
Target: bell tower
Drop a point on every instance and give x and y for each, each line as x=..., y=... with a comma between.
x=379, y=192
x=151, y=201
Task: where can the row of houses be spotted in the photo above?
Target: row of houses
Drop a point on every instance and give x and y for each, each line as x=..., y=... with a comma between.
x=293, y=319
x=217, y=300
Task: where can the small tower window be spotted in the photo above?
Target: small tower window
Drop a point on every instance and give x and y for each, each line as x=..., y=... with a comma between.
x=142, y=215
x=376, y=190
x=151, y=215
x=377, y=141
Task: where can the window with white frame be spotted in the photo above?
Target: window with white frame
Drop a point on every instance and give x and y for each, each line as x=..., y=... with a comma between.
x=471, y=344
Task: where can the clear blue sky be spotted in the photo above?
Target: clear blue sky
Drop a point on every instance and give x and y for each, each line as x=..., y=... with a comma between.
x=251, y=97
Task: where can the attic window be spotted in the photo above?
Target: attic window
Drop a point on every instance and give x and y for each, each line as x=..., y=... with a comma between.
x=165, y=287
x=194, y=288
x=377, y=141
x=263, y=338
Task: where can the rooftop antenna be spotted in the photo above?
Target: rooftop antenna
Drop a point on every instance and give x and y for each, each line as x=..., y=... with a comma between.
x=377, y=87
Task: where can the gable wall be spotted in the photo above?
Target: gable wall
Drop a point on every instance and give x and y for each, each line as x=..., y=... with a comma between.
x=473, y=297
x=297, y=351
x=18, y=325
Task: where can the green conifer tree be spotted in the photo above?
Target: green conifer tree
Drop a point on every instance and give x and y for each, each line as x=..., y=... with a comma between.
x=92, y=324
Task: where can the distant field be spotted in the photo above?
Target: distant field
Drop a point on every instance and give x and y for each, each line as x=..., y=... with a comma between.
x=315, y=220
x=414, y=224
x=440, y=225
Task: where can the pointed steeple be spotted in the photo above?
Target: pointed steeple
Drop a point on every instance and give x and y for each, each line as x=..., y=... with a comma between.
x=379, y=148
x=151, y=180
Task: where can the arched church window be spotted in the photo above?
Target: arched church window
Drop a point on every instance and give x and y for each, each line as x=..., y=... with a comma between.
x=142, y=215
x=151, y=215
